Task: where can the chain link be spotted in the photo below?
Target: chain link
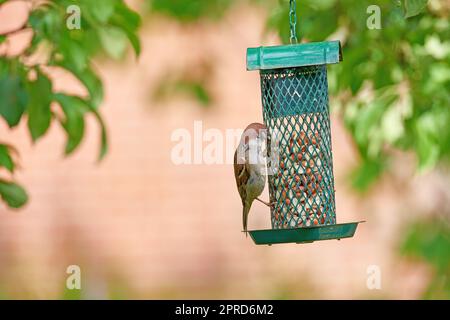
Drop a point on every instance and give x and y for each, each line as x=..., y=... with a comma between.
x=293, y=20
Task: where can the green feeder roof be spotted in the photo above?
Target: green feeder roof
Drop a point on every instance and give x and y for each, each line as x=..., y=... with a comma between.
x=291, y=56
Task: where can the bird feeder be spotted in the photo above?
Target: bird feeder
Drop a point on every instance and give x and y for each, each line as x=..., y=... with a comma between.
x=294, y=92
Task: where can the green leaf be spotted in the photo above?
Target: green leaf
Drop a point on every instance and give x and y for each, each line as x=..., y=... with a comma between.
x=428, y=240
x=74, y=109
x=101, y=9
x=90, y=80
x=428, y=133
x=128, y=18
x=114, y=41
x=72, y=294
x=13, y=194
x=2, y=38
x=93, y=84
x=103, y=137
x=74, y=54
x=103, y=134
x=135, y=42
x=414, y=7
x=366, y=173
x=369, y=118
x=6, y=160
x=129, y=21
x=188, y=11
x=39, y=114
x=13, y=98
x=197, y=89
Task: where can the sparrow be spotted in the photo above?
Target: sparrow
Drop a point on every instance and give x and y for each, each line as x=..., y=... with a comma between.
x=249, y=167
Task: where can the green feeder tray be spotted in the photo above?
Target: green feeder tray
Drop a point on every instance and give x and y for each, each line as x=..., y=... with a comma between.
x=294, y=94
x=304, y=235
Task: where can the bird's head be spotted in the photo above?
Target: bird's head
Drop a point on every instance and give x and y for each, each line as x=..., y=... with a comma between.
x=254, y=132
x=253, y=143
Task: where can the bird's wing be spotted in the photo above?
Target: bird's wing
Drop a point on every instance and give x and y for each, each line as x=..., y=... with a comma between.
x=242, y=175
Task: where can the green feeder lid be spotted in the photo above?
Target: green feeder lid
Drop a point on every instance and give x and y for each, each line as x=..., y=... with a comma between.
x=294, y=55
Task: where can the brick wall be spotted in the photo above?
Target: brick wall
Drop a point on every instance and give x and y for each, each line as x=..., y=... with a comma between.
x=140, y=226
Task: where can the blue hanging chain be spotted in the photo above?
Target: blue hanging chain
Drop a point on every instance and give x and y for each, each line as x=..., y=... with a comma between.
x=293, y=21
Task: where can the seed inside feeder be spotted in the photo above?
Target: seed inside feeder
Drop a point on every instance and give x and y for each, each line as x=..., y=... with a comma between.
x=299, y=178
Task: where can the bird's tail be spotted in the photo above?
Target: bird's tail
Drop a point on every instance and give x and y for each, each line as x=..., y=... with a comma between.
x=245, y=212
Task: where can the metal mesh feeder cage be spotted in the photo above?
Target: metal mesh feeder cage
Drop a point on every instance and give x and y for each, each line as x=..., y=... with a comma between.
x=294, y=91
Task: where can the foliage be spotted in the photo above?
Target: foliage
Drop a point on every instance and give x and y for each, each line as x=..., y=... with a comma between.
x=197, y=89
x=192, y=81
x=430, y=241
x=188, y=11
x=26, y=87
x=392, y=89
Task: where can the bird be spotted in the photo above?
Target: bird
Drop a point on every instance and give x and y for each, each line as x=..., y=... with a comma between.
x=249, y=167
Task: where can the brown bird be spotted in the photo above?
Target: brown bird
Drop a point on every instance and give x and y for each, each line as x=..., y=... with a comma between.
x=249, y=167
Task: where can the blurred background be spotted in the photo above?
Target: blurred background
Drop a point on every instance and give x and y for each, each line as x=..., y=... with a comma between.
x=140, y=226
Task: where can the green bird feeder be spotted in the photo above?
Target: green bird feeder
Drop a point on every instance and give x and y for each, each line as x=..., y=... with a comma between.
x=294, y=92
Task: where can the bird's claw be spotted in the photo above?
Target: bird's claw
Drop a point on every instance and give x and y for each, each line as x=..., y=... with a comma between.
x=270, y=205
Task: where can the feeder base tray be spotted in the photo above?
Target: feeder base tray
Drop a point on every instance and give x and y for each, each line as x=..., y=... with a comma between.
x=304, y=235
